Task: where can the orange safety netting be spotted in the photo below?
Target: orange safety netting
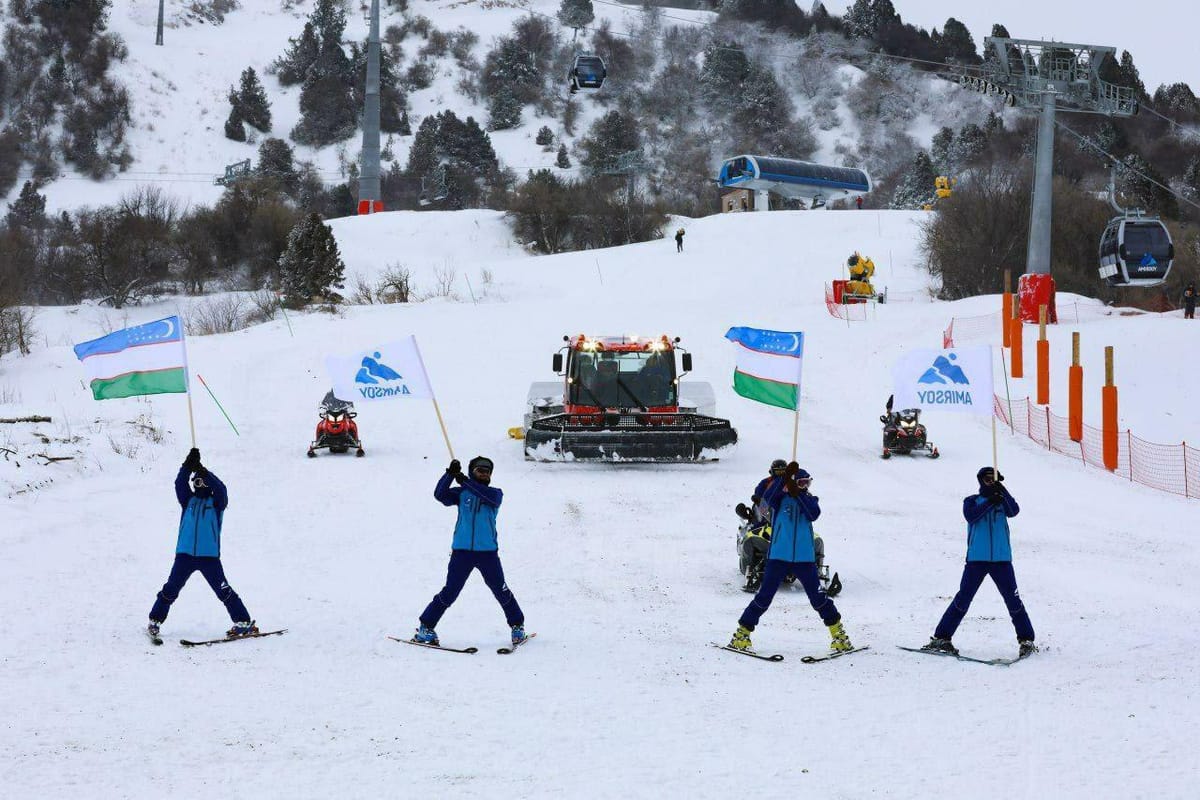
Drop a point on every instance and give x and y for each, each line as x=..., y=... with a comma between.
x=851, y=312
x=1171, y=468
x=987, y=326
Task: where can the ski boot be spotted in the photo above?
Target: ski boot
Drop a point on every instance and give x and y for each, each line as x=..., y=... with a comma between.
x=741, y=639
x=840, y=642
x=937, y=645
x=152, y=628
x=1028, y=648
x=426, y=635
x=241, y=629
x=518, y=634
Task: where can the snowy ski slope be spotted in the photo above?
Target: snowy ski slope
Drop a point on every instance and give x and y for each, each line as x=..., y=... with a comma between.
x=626, y=573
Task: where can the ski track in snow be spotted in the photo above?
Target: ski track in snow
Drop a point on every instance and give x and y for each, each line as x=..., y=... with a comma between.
x=625, y=572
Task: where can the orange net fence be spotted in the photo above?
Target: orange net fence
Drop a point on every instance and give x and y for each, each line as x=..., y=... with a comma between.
x=1171, y=468
x=987, y=326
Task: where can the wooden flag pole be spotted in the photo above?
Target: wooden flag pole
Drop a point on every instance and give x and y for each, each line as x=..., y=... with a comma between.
x=436, y=409
x=187, y=377
x=796, y=425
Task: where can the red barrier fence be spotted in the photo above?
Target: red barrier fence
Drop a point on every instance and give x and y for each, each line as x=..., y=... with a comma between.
x=987, y=326
x=852, y=312
x=1171, y=468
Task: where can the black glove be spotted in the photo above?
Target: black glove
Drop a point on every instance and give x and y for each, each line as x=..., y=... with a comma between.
x=742, y=511
x=755, y=499
x=996, y=499
x=791, y=469
x=455, y=468
x=193, y=460
x=791, y=487
x=201, y=470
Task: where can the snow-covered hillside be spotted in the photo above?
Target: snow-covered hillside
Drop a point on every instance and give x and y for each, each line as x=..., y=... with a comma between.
x=179, y=93
x=626, y=573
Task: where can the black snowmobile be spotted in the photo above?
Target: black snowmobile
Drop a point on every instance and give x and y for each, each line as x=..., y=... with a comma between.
x=337, y=431
x=753, y=543
x=904, y=433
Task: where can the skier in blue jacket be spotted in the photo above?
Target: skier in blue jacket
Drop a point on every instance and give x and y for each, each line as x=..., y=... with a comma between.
x=793, y=511
x=989, y=553
x=198, y=547
x=475, y=546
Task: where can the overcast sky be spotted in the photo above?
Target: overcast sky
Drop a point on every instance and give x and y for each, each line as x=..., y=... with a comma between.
x=1160, y=34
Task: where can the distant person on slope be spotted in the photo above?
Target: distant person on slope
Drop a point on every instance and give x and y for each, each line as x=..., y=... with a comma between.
x=1189, y=302
x=475, y=547
x=679, y=241
x=199, y=546
x=793, y=511
x=988, y=553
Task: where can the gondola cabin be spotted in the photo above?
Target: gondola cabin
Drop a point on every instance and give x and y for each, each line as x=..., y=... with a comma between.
x=588, y=72
x=1135, y=251
x=804, y=180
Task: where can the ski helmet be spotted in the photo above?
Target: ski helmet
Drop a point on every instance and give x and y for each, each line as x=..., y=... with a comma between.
x=986, y=472
x=778, y=466
x=480, y=461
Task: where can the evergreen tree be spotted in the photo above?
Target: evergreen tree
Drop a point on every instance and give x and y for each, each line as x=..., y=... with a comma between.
x=252, y=99
x=765, y=109
x=958, y=44
x=1141, y=186
x=328, y=110
x=1130, y=76
x=311, y=267
x=939, y=149
x=291, y=67
x=545, y=136
x=968, y=146
x=423, y=156
x=563, y=161
x=866, y=18
x=915, y=187
x=1191, y=179
x=233, y=125
x=504, y=110
x=1000, y=32
x=1176, y=97
x=28, y=210
x=405, y=127
x=724, y=71
x=576, y=13
x=277, y=162
x=609, y=143
x=455, y=157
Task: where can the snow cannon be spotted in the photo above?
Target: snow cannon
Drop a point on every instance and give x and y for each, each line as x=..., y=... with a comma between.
x=621, y=400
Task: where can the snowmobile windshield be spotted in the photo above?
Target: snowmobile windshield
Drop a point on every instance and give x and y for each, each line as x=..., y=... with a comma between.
x=612, y=379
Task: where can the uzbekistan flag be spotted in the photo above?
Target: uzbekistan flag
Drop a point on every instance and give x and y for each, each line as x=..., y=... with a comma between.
x=768, y=365
x=146, y=359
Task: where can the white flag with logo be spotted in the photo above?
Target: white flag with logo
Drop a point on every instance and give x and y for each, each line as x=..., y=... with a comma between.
x=958, y=379
x=390, y=371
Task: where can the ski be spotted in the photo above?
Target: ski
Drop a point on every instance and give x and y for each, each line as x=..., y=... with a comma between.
x=187, y=643
x=436, y=646
x=995, y=662
x=832, y=655
x=751, y=653
x=504, y=651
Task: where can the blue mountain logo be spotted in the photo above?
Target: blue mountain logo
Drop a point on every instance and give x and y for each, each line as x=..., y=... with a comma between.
x=944, y=371
x=373, y=371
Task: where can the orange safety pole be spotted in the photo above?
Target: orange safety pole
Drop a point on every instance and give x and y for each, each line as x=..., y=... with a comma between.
x=1108, y=425
x=1018, y=349
x=1006, y=304
x=1043, y=359
x=1075, y=392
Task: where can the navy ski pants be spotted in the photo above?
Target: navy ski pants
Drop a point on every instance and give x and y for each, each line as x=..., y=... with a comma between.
x=213, y=572
x=972, y=578
x=462, y=564
x=773, y=575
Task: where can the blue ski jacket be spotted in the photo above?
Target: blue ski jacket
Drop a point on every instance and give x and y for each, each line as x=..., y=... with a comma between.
x=987, y=526
x=791, y=524
x=203, y=512
x=477, y=509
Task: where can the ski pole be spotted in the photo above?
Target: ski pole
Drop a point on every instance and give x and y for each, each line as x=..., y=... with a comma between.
x=218, y=402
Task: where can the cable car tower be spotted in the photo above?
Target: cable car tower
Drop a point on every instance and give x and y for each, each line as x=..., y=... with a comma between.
x=1045, y=76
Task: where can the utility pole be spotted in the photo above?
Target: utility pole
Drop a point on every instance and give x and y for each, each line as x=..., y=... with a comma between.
x=158, y=36
x=370, y=197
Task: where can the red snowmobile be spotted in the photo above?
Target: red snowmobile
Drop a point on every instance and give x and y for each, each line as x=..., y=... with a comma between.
x=337, y=431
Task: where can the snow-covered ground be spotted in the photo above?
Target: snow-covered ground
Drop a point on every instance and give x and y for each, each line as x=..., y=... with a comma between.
x=626, y=573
